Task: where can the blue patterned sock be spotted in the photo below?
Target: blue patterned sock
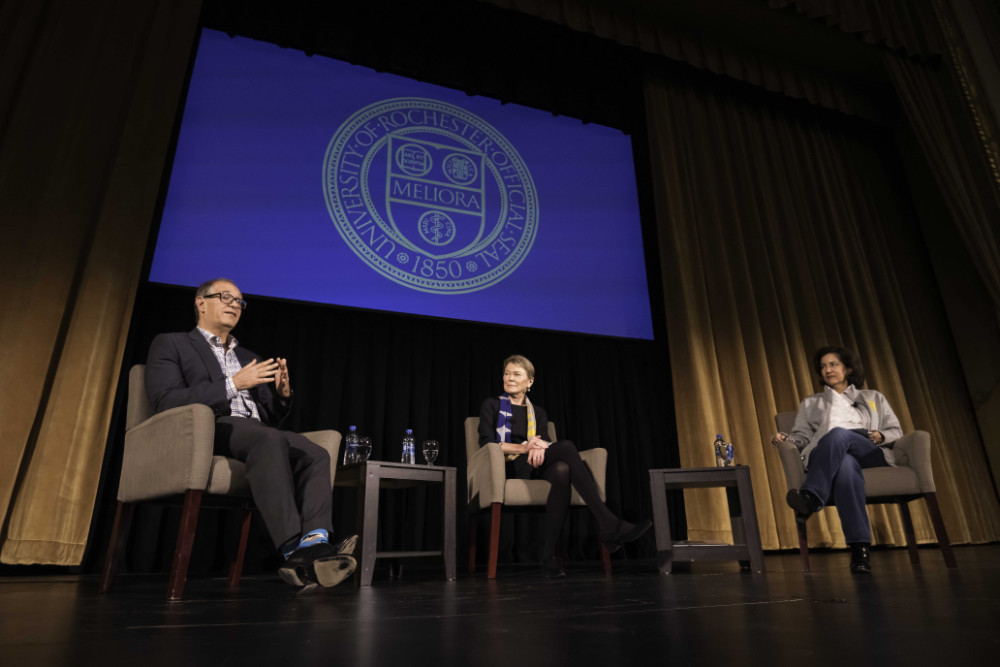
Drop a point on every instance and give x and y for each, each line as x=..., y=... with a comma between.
x=318, y=536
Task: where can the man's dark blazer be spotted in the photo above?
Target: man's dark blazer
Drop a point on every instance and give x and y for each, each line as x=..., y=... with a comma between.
x=181, y=369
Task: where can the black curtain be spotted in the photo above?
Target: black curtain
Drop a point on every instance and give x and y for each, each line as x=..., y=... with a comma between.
x=387, y=372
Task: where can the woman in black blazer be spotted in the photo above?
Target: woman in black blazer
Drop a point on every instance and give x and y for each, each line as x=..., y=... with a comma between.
x=518, y=425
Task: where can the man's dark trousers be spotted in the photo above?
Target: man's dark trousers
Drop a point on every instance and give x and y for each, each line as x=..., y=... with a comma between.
x=286, y=471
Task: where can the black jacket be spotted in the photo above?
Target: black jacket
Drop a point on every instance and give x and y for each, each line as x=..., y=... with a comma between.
x=181, y=369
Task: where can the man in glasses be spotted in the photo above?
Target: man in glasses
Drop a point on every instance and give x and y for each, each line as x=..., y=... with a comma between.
x=289, y=475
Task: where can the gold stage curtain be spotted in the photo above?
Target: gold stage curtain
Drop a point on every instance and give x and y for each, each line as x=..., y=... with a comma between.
x=780, y=231
x=956, y=157
x=973, y=198
x=88, y=95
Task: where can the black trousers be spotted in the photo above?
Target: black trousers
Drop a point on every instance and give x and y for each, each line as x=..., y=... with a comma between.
x=563, y=468
x=289, y=475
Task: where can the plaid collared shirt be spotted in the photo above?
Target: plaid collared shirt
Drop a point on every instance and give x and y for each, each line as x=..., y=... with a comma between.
x=241, y=403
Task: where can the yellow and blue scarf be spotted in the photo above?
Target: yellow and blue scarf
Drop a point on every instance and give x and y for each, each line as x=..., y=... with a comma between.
x=504, y=417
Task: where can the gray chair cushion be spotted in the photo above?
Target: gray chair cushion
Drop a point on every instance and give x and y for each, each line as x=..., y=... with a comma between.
x=911, y=475
x=228, y=478
x=531, y=492
x=889, y=481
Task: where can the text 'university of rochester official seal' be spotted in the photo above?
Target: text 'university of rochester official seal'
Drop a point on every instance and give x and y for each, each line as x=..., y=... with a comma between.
x=430, y=195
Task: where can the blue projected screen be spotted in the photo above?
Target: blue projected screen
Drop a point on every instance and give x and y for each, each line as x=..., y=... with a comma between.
x=312, y=179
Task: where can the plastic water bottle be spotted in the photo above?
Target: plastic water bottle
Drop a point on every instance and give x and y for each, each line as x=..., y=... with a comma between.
x=720, y=451
x=351, y=446
x=729, y=454
x=409, y=453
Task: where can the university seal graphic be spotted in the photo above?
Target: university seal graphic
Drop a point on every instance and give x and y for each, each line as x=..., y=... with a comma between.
x=430, y=195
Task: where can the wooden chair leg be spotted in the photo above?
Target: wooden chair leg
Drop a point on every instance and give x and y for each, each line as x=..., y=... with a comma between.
x=116, y=546
x=911, y=537
x=185, y=540
x=605, y=554
x=803, y=545
x=491, y=570
x=472, y=543
x=939, y=529
x=236, y=566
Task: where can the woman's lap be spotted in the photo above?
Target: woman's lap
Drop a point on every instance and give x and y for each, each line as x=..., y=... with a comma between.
x=856, y=445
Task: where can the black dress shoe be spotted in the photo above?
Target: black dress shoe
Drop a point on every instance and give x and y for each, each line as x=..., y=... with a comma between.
x=318, y=564
x=332, y=570
x=625, y=532
x=860, y=561
x=346, y=546
x=552, y=569
x=804, y=503
x=297, y=568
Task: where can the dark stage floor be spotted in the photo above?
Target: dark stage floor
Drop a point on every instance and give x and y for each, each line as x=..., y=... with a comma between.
x=708, y=614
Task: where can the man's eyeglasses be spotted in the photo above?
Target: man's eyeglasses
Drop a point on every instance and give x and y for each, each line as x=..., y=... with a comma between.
x=228, y=299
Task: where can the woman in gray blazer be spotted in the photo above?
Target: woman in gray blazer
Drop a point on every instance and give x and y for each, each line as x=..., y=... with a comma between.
x=840, y=431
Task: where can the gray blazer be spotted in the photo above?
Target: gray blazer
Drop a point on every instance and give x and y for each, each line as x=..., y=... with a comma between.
x=813, y=420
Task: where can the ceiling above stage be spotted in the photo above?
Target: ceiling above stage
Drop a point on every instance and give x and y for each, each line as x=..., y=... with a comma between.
x=512, y=54
x=782, y=33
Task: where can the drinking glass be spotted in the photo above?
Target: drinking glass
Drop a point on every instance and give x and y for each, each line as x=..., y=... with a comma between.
x=431, y=450
x=364, y=449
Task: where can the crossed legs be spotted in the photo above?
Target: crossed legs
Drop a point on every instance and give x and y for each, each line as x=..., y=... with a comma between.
x=834, y=475
x=289, y=476
x=564, y=469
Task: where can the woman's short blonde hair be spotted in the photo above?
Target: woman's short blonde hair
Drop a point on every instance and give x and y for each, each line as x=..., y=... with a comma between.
x=523, y=362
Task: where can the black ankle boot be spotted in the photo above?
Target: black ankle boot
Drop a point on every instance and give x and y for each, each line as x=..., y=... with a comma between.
x=805, y=503
x=625, y=532
x=860, y=561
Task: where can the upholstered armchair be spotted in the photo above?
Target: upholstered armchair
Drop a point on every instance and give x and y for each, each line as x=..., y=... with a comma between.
x=169, y=458
x=490, y=490
x=911, y=478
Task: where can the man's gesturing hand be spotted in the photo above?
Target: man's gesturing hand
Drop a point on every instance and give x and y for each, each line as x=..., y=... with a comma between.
x=255, y=373
x=281, y=381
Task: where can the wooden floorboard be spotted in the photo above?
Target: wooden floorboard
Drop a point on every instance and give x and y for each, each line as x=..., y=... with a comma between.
x=703, y=614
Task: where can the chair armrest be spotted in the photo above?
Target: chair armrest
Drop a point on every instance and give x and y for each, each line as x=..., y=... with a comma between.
x=486, y=475
x=914, y=450
x=597, y=460
x=330, y=441
x=791, y=463
x=168, y=454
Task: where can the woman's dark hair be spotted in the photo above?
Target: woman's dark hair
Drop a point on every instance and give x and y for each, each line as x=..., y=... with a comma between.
x=849, y=358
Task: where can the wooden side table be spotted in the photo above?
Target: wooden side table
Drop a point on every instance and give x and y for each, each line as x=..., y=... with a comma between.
x=739, y=492
x=369, y=477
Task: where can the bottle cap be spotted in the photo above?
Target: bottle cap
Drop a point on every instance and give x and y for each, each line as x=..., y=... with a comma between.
x=409, y=431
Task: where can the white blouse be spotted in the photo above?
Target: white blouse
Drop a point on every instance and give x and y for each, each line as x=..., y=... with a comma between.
x=843, y=412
